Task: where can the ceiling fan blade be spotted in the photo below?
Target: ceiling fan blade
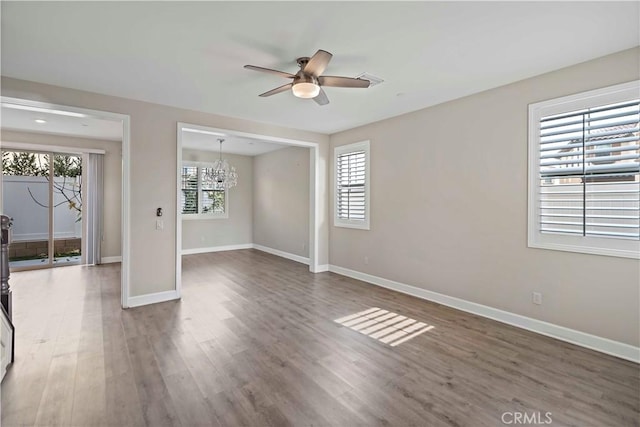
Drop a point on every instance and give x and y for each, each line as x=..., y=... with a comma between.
x=318, y=63
x=270, y=71
x=334, y=81
x=321, y=98
x=282, y=88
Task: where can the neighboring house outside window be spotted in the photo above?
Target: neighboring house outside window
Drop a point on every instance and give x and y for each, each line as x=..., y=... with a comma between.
x=351, y=185
x=584, y=172
x=199, y=199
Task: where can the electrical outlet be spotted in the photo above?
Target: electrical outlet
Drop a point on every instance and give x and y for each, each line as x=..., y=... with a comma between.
x=366, y=260
x=537, y=298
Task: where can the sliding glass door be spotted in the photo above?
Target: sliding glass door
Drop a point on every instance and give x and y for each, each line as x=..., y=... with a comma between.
x=42, y=192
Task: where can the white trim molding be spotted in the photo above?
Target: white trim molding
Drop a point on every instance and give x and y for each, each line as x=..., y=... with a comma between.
x=178, y=207
x=593, y=342
x=49, y=148
x=110, y=259
x=282, y=254
x=321, y=268
x=217, y=249
x=157, y=297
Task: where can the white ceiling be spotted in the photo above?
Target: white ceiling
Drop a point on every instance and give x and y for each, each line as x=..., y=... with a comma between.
x=83, y=127
x=191, y=54
x=232, y=144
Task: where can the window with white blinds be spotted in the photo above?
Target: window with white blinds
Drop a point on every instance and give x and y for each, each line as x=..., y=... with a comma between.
x=199, y=199
x=585, y=172
x=189, y=188
x=352, y=185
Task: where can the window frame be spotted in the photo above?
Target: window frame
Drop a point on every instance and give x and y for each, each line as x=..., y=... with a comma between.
x=200, y=215
x=337, y=152
x=608, y=246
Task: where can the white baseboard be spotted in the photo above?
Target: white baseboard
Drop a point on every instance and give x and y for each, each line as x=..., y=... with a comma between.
x=283, y=254
x=216, y=249
x=322, y=268
x=277, y=252
x=110, y=259
x=152, y=298
x=593, y=342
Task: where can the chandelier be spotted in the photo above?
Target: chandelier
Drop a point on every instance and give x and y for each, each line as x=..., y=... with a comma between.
x=221, y=176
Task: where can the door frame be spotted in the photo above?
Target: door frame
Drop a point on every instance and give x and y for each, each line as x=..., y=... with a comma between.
x=125, y=119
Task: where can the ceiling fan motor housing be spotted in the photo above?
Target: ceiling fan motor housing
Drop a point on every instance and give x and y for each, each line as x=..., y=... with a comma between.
x=302, y=61
x=301, y=77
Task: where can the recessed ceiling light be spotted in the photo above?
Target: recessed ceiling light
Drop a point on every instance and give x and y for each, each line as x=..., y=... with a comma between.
x=42, y=110
x=40, y=121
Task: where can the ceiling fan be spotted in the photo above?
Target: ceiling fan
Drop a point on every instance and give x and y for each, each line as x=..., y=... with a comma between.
x=308, y=81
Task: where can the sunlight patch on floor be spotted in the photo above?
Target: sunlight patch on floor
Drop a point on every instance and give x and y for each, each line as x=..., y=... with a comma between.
x=385, y=326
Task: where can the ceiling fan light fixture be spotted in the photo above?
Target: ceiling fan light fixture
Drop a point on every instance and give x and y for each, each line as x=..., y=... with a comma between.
x=306, y=90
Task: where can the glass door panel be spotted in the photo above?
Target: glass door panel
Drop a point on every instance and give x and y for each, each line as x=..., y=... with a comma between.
x=67, y=209
x=25, y=198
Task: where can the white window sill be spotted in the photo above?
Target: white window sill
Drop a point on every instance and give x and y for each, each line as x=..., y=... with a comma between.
x=361, y=225
x=620, y=249
x=190, y=217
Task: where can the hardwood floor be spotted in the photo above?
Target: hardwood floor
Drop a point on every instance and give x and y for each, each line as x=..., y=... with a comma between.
x=253, y=342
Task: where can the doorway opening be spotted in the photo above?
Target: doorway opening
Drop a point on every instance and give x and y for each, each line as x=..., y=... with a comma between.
x=196, y=137
x=80, y=185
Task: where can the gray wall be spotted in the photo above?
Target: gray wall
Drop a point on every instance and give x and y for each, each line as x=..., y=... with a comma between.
x=111, y=244
x=281, y=200
x=235, y=230
x=449, y=209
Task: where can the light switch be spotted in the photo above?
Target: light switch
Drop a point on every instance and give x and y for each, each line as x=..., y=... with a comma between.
x=159, y=224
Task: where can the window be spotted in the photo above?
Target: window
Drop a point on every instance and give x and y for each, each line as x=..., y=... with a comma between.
x=352, y=185
x=200, y=199
x=584, y=172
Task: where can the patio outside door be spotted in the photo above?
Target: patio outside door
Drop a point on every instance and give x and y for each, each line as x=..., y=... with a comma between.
x=42, y=192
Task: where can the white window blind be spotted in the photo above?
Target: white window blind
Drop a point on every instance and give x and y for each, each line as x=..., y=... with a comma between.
x=351, y=175
x=199, y=198
x=589, y=172
x=351, y=178
x=587, y=182
x=189, y=190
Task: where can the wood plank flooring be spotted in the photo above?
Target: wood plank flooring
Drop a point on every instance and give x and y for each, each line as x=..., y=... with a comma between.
x=253, y=342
